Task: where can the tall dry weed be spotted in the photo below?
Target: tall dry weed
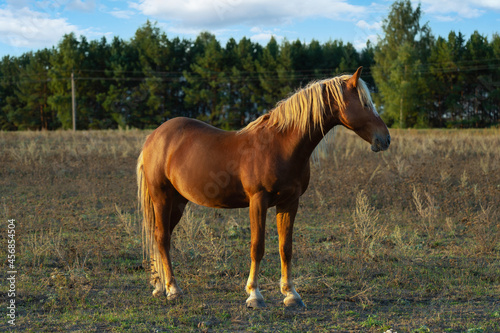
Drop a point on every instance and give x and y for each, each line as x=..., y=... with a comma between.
x=27, y=153
x=129, y=222
x=194, y=239
x=402, y=166
x=368, y=230
x=485, y=231
x=464, y=179
x=484, y=162
x=41, y=244
x=188, y=233
x=427, y=210
x=404, y=241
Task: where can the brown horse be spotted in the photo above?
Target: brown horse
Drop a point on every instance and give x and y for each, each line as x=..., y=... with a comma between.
x=263, y=165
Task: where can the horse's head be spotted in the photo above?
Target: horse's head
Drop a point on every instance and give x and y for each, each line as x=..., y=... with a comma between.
x=360, y=115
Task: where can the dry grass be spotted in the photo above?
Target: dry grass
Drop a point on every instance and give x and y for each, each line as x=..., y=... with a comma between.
x=367, y=229
x=407, y=240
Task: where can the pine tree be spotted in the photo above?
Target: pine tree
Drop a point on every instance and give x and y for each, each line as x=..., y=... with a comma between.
x=367, y=60
x=9, y=103
x=447, y=79
x=68, y=58
x=315, y=59
x=301, y=64
x=243, y=81
x=495, y=81
x=350, y=59
x=206, y=91
x=178, y=61
x=123, y=77
x=276, y=74
x=478, y=54
x=332, y=57
x=93, y=84
x=32, y=92
x=398, y=71
x=149, y=96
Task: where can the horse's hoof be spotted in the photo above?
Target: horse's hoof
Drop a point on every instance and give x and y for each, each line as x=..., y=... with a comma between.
x=173, y=297
x=157, y=293
x=255, y=303
x=291, y=302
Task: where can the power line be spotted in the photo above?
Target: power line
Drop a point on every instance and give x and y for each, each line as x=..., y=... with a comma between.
x=486, y=63
x=253, y=77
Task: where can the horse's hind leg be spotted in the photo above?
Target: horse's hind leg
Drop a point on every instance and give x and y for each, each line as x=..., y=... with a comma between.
x=168, y=212
x=178, y=205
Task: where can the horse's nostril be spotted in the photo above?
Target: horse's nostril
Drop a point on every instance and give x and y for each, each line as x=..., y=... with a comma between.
x=388, y=140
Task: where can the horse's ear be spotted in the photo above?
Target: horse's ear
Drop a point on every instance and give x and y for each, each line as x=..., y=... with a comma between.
x=355, y=77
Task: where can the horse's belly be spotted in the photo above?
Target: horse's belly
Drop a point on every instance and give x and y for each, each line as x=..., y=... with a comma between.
x=211, y=195
x=218, y=189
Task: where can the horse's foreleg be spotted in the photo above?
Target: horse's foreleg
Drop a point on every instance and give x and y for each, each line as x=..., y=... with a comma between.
x=258, y=209
x=285, y=216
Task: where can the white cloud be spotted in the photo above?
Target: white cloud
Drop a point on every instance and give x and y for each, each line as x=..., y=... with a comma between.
x=123, y=14
x=92, y=33
x=79, y=5
x=444, y=9
x=445, y=18
x=23, y=27
x=17, y=3
x=263, y=36
x=220, y=13
x=360, y=43
x=367, y=26
x=190, y=32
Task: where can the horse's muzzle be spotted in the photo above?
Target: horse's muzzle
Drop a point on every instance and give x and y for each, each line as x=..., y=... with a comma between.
x=380, y=143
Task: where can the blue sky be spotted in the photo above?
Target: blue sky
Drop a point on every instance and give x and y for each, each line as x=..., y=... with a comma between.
x=30, y=25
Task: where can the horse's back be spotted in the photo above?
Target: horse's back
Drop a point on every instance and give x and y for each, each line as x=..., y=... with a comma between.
x=180, y=136
x=176, y=128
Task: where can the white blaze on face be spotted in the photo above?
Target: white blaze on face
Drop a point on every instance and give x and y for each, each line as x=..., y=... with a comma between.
x=365, y=98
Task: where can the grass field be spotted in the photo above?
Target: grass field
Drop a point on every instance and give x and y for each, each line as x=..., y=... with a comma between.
x=407, y=240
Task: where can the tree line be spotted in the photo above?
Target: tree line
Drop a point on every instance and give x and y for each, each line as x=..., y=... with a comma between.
x=417, y=80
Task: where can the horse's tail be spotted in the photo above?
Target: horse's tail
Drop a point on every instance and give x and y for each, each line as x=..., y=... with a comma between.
x=151, y=255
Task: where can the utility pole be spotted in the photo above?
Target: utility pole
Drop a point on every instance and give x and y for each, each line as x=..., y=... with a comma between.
x=73, y=101
x=402, y=122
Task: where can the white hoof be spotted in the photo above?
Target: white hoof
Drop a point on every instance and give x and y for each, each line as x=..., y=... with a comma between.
x=157, y=292
x=293, y=301
x=292, y=298
x=174, y=292
x=175, y=296
x=255, y=303
x=255, y=300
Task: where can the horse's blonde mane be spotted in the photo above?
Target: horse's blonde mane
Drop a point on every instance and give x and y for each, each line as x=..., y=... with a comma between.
x=304, y=110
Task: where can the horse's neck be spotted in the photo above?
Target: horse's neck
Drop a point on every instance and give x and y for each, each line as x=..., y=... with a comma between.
x=305, y=143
